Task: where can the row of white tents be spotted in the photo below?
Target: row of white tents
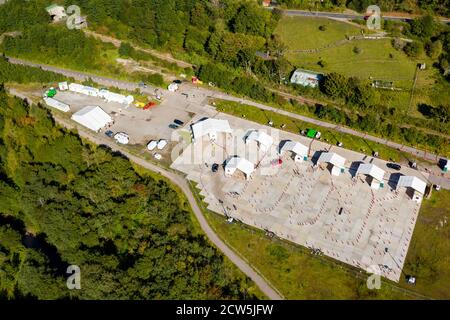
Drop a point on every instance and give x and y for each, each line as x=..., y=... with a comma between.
x=335, y=162
x=109, y=96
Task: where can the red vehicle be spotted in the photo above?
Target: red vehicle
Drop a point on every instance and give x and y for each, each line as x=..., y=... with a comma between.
x=149, y=105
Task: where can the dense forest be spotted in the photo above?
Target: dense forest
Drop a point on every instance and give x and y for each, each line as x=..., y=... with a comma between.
x=64, y=202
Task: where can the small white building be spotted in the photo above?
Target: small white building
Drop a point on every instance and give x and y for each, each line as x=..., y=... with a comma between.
x=210, y=127
x=263, y=140
x=375, y=174
x=413, y=184
x=172, y=87
x=92, y=117
x=115, y=97
x=336, y=163
x=299, y=150
x=57, y=12
x=306, y=78
x=89, y=91
x=63, y=86
x=241, y=164
x=122, y=138
x=51, y=102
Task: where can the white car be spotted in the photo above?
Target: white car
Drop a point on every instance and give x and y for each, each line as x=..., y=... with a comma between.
x=122, y=138
x=158, y=156
x=162, y=144
x=152, y=145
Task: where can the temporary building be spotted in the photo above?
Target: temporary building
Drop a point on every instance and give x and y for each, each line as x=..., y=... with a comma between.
x=115, y=97
x=300, y=151
x=306, y=78
x=92, y=117
x=122, y=138
x=241, y=164
x=263, y=139
x=210, y=127
x=414, y=184
x=152, y=145
x=375, y=174
x=173, y=87
x=57, y=104
x=162, y=144
x=90, y=91
x=335, y=161
x=63, y=86
x=57, y=12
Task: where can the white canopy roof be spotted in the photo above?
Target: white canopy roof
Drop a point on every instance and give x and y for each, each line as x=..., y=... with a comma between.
x=295, y=147
x=92, y=117
x=371, y=170
x=332, y=158
x=210, y=126
x=261, y=137
x=240, y=163
x=412, y=182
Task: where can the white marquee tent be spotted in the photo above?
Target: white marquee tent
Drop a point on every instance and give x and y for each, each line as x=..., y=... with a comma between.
x=210, y=127
x=78, y=88
x=92, y=117
x=376, y=173
x=300, y=151
x=415, y=184
x=263, y=139
x=336, y=161
x=115, y=97
x=238, y=163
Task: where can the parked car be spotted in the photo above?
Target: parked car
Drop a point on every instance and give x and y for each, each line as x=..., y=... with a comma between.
x=178, y=122
x=152, y=145
x=215, y=167
x=122, y=138
x=109, y=133
x=158, y=156
x=177, y=81
x=394, y=166
x=173, y=126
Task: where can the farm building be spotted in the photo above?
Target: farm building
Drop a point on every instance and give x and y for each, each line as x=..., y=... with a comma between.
x=57, y=104
x=263, y=139
x=115, y=97
x=57, y=13
x=241, y=164
x=299, y=151
x=92, y=117
x=415, y=187
x=306, y=78
x=89, y=91
x=375, y=174
x=336, y=163
x=210, y=127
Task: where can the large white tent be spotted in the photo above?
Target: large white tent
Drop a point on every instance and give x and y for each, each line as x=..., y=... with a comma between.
x=92, y=117
x=263, y=139
x=300, y=151
x=238, y=163
x=336, y=161
x=210, y=127
x=415, y=184
x=57, y=104
x=376, y=174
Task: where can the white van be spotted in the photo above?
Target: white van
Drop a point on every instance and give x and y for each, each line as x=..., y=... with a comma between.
x=152, y=145
x=162, y=144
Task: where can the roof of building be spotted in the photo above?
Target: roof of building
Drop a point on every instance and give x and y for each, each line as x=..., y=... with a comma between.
x=371, y=170
x=332, y=158
x=295, y=147
x=209, y=126
x=305, y=77
x=240, y=163
x=92, y=117
x=261, y=137
x=412, y=182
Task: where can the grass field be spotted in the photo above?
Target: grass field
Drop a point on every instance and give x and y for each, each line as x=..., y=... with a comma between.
x=296, y=126
x=374, y=60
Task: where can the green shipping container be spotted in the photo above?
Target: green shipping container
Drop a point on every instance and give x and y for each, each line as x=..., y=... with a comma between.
x=51, y=93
